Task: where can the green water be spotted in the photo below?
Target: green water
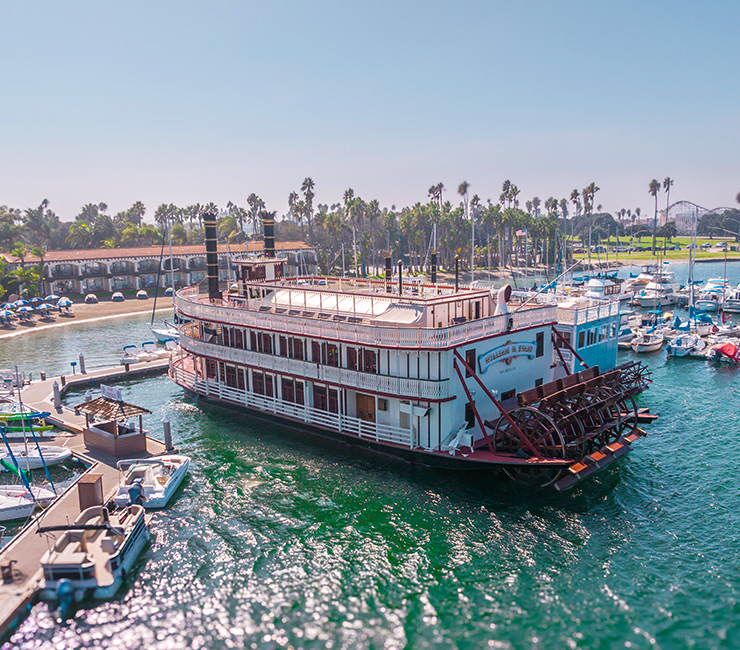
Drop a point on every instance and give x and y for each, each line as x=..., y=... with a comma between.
x=276, y=542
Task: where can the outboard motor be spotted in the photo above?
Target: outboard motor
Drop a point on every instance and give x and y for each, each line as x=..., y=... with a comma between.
x=66, y=597
x=502, y=297
x=136, y=492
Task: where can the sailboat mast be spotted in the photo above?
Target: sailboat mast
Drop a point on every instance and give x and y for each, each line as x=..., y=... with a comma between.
x=169, y=236
x=23, y=420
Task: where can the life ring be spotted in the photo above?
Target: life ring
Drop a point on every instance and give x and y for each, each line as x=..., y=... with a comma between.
x=371, y=416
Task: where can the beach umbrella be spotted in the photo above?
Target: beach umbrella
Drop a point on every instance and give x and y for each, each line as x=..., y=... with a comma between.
x=52, y=296
x=20, y=303
x=35, y=300
x=7, y=305
x=64, y=302
x=6, y=313
x=25, y=308
x=45, y=306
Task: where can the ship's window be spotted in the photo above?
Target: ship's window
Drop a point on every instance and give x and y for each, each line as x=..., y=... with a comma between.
x=591, y=338
x=351, y=359
x=238, y=338
x=612, y=330
x=332, y=355
x=268, y=385
x=225, y=335
x=297, y=349
x=370, y=361
x=240, y=383
x=469, y=416
x=477, y=309
x=602, y=333
x=283, y=346
x=258, y=382
x=266, y=341
x=252, y=341
x=288, y=391
x=540, y=344
x=538, y=382
x=299, y=392
x=319, y=397
x=470, y=360
x=210, y=368
x=316, y=351
x=509, y=394
x=333, y=401
x=231, y=376
x=581, y=339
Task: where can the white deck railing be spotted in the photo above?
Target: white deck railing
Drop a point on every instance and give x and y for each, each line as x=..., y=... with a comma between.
x=401, y=386
x=570, y=316
x=187, y=302
x=316, y=417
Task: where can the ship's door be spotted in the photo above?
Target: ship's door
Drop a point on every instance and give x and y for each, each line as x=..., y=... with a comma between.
x=366, y=407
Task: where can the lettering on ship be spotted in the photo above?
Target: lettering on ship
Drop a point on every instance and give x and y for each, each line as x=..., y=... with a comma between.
x=506, y=352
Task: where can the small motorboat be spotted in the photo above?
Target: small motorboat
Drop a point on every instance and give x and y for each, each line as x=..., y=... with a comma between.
x=151, y=481
x=28, y=457
x=93, y=555
x=682, y=345
x=132, y=354
x=727, y=352
x=647, y=342
x=150, y=347
x=16, y=502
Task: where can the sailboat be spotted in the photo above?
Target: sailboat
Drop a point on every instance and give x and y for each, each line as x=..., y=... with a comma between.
x=165, y=330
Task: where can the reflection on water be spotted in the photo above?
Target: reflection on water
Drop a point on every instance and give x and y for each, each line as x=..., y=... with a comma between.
x=275, y=542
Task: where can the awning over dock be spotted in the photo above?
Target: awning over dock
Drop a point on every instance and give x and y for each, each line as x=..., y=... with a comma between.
x=104, y=408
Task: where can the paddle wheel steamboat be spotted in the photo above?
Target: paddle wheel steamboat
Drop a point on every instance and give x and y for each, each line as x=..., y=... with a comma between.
x=439, y=374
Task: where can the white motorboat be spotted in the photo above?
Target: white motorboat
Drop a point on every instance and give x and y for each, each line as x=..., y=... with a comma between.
x=607, y=288
x=132, y=354
x=94, y=554
x=647, y=342
x=660, y=292
x=682, y=345
x=150, y=348
x=732, y=299
x=28, y=456
x=150, y=481
x=165, y=331
x=16, y=502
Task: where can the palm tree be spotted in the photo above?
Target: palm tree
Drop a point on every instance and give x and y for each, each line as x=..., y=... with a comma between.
x=20, y=252
x=575, y=199
x=654, y=189
x=307, y=189
x=667, y=182
x=462, y=190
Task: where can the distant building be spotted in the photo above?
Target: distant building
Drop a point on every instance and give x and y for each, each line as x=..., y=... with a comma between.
x=131, y=269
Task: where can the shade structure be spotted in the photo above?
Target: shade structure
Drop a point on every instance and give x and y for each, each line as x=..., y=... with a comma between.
x=110, y=409
x=52, y=296
x=20, y=303
x=35, y=300
x=64, y=302
x=25, y=308
x=6, y=313
x=44, y=306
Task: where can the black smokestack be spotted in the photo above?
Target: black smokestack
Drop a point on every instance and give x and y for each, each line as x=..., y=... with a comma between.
x=434, y=267
x=268, y=223
x=400, y=277
x=209, y=222
x=388, y=270
x=457, y=273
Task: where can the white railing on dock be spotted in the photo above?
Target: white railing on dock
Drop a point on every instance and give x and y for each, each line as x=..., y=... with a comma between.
x=401, y=386
x=189, y=304
x=316, y=417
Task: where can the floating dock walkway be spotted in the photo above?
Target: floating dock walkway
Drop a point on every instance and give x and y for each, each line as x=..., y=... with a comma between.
x=20, y=560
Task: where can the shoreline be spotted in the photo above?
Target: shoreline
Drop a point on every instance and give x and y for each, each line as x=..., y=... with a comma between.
x=85, y=313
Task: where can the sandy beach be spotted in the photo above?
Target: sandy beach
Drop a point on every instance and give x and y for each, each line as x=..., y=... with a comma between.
x=85, y=313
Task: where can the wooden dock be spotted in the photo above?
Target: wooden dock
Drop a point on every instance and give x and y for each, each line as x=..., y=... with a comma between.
x=24, y=552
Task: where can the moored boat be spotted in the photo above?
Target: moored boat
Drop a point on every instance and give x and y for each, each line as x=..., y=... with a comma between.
x=647, y=342
x=438, y=374
x=17, y=502
x=152, y=481
x=93, y=555
x=28, y=456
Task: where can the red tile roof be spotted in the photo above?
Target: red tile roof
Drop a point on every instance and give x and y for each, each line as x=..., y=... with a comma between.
x=152, y=251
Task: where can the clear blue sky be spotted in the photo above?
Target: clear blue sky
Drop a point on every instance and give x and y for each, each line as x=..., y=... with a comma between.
x=189, y=102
